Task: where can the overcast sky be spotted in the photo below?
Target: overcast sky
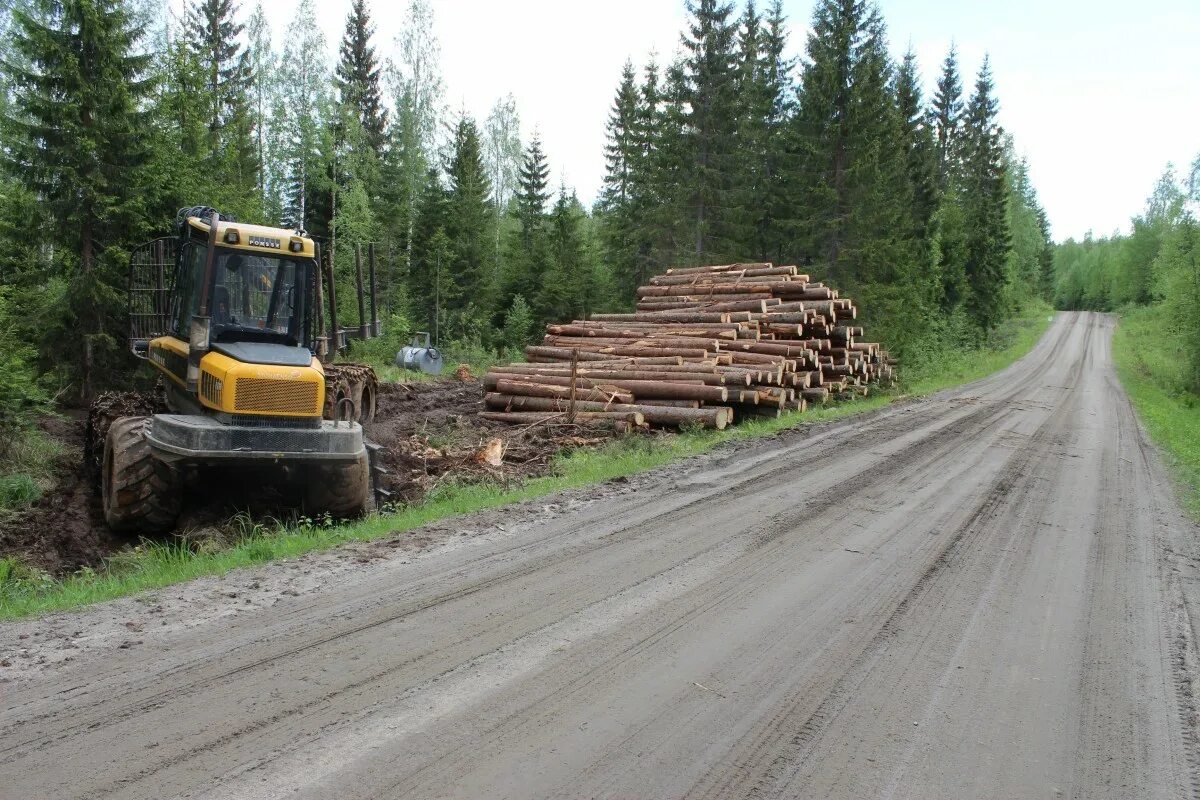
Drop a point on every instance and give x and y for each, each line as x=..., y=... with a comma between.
x=1099, y=94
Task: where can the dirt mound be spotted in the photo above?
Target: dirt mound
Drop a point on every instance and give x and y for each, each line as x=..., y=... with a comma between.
x=429, y=432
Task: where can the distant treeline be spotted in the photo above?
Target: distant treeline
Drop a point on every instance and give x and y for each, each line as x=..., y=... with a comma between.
x=1156, y=264
x=114, y=118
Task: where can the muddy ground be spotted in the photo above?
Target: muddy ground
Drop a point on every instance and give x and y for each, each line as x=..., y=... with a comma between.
x=430, y=433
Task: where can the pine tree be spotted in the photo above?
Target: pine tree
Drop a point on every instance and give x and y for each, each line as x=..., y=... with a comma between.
x=947, y=118
x=74, y=139
x=985, y=206
x=709, y=135
x=357, y=77
x=469, y=228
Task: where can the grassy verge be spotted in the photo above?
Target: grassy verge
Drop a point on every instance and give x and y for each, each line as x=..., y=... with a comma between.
x=1150, y=367
x=155, y=565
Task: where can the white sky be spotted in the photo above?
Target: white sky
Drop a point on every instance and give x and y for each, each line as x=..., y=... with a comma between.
x=1099, y=94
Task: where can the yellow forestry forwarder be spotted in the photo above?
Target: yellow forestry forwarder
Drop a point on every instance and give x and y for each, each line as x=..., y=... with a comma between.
x=230, y=315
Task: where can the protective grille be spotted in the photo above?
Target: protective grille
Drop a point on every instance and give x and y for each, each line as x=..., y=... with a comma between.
x=210, y=388
x=277, y=396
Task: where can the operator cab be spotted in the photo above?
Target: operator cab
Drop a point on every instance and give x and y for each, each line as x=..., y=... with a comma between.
x=257, y=293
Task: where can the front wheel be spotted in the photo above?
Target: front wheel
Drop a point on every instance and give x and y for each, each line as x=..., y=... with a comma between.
x=341, y=489
x=141, y=493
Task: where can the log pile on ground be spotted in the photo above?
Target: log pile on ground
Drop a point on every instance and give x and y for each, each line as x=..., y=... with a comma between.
x=706, y=346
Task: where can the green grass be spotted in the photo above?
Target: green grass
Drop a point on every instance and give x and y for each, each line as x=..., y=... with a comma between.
x=28, y=458
x=1150, y=365
x=156, y=565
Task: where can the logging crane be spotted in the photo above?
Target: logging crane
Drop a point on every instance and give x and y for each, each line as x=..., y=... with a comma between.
x=230, y=316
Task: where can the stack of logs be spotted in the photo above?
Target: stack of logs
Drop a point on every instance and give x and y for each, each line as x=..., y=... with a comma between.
x=706, y=345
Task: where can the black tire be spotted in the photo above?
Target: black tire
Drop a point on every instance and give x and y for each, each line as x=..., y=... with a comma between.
x=364, y=401
x=341, y=489
x=141, y=493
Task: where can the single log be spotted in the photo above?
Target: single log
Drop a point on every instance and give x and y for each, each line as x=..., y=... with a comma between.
x=640, y=333
x=608, y=351
x=718, y=268
x=711, y=416
x=702, y=378
x=524, y=417
x=608, y=388
x=531, y=389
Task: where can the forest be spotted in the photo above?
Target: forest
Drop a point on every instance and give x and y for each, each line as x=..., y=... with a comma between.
x=113, y=116
x=1152, y=273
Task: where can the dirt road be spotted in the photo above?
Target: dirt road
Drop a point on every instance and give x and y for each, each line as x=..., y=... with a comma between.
x=989, y=593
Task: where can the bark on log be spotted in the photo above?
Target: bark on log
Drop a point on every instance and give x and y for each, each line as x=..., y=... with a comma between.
x=712, y=416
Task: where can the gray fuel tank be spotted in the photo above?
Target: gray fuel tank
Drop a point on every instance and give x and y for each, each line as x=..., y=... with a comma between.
x=419, y=355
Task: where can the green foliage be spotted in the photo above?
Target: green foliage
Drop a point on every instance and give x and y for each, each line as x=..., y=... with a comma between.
x=397, y=330
x=1155, y=370
x=1178, y=263
x=985, y=208
x=518, y=325
x=73, y=139
x=21, y=396
x=469, y=221
x=357, y=78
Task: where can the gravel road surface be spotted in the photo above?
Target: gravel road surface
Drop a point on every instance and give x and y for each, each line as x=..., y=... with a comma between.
x=987, y=593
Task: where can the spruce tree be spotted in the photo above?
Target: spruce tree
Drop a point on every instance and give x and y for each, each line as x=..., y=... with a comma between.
x=212, y=31
x=568, y=290
x=985, y=206
x=821, y=134
x=709, y=134
x=668, y=230
x=624, y=154
x=429, y=287
x=469, y=229
x=74, y=137
x=357, y=77
x=920, y=149
x=773, y=89
x=527, y=258
x=947, y=118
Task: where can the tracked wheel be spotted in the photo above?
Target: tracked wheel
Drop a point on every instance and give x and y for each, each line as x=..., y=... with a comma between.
x=340, y=489
x=141, y=493
x=356, y=382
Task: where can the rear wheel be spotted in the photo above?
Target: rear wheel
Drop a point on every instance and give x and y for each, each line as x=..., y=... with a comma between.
x=341, y=489
x=141, y=493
